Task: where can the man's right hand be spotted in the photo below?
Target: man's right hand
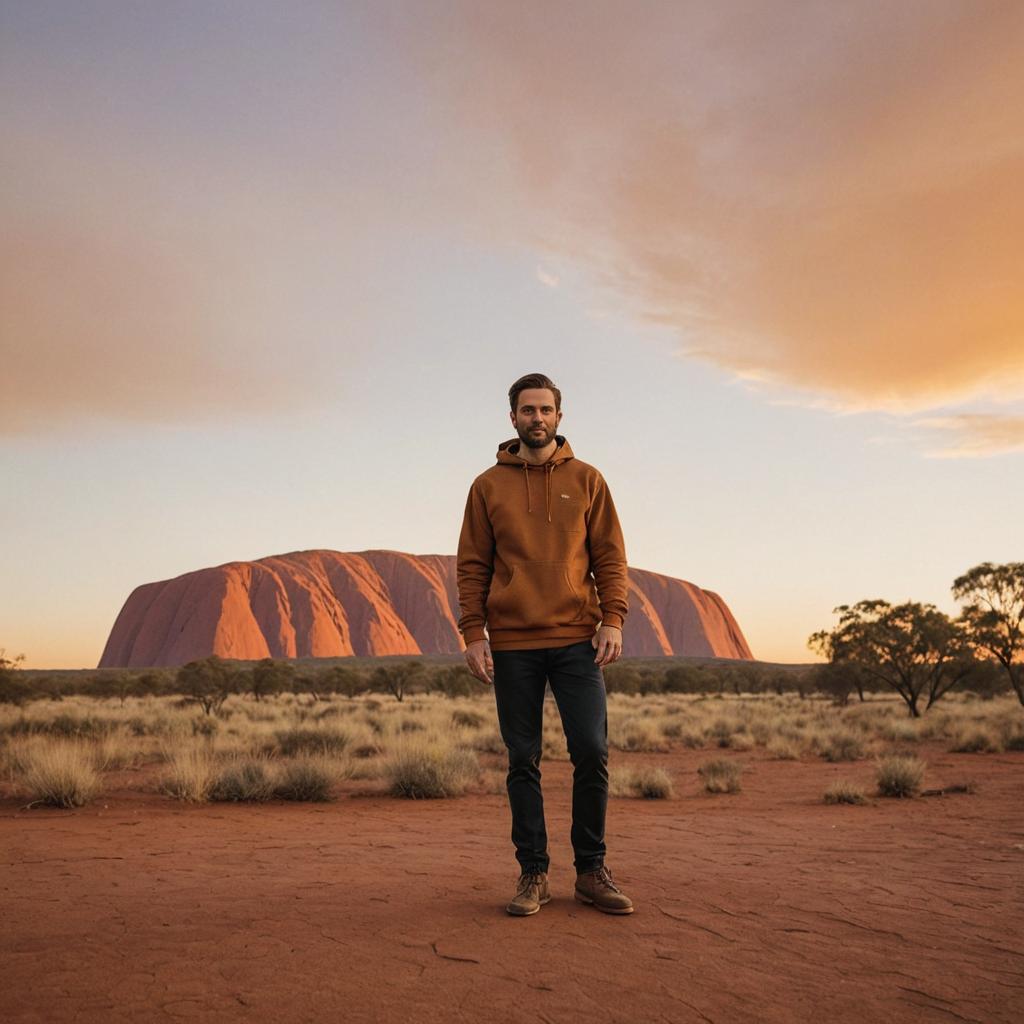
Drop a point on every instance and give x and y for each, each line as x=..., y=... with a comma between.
x=478, y=658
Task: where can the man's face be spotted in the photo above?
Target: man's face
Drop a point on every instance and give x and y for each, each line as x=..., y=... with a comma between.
x=535, y=420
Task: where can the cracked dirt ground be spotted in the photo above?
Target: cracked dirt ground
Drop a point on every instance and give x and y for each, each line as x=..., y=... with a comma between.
x=762, y=906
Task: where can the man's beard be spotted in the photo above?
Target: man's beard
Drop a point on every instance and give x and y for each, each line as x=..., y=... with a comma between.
x=532, y=440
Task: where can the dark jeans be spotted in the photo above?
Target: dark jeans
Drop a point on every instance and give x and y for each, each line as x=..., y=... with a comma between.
x=578, y=687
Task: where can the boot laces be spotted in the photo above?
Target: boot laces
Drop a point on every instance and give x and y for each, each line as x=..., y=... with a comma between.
x=603, y=876
x=526, y=879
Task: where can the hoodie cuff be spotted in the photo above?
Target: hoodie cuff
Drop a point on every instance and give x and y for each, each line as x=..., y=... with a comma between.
x=612, y=619
x=474, y=633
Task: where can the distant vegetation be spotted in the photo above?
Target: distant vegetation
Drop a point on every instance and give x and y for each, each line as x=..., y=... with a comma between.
x=921, y=653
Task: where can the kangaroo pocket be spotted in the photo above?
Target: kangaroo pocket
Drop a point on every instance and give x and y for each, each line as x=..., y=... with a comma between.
x=538, y=594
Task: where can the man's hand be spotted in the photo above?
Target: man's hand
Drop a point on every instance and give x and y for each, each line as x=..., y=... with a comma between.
x=608, y=641
x=478, y=658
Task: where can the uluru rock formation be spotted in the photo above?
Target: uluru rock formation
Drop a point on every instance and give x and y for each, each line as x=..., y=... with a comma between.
x=326, y=604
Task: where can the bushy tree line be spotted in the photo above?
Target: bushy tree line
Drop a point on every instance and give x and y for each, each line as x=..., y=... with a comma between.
x=921, y=653
x=208, y=682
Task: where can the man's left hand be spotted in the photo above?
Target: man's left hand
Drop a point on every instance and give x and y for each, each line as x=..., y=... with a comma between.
x=608, y=641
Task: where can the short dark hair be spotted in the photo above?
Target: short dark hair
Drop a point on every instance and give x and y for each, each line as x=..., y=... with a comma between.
x=533, y=380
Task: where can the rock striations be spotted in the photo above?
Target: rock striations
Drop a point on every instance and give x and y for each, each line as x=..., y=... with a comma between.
x=326, y=604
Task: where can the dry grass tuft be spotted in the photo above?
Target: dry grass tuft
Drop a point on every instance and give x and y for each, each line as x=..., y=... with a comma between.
x=58, y=773
x=638, y=735
x=721, y=776
x=307, y=778
x=422, y=768
x=841, y=745
x=899, y=775
x=190, y=773
x=976, y=739
x=648, y=783
x=300, y=740
x=782, y=748
x=842, y=792
x=243, y=779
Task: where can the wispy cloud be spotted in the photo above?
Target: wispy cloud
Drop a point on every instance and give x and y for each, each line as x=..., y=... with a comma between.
x=547, y=278
x=976, y=435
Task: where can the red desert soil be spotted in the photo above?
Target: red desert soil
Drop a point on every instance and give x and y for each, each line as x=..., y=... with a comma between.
x=767, y=905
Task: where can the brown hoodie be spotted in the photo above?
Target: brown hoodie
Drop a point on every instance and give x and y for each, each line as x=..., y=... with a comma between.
x=549, y=540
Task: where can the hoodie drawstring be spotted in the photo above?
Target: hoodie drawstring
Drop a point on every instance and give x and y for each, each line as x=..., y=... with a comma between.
x=549, y=468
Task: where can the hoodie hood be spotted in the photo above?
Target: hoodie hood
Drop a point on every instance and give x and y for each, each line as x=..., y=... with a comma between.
x=508, y=455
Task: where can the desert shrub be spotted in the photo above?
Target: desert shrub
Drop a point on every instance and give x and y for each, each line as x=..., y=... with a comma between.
x=306, y=779
x=112, y=751
x=456, y=681
x=417, y=768
x=841, y=745
x=311, y=740
x=975, y=739
x=721, y=776
x=741, y=741
x=649, y=783
x=620, y=678
x=58, y=773
x=242, y=779
x=842, y=792
x=189, y=775
x=468, y=719
x=898, y=731
x=720, y=732
x=1012, y=735
x=634, y=734
x=783, y=748
x=74, y=726
x=899, y=775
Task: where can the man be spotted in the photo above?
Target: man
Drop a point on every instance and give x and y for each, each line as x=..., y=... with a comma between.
x=542, y=566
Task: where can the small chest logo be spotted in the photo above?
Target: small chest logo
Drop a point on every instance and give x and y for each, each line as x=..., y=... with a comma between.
x=565, y=495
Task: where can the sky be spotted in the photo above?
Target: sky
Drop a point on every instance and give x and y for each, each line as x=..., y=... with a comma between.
x=267, y=272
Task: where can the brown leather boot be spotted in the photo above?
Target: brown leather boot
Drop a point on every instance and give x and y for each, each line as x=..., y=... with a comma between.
x=597, y=888
x=532, y=892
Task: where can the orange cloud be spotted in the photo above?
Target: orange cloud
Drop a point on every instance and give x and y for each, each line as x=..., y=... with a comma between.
x=822, y=197
x=135, y=291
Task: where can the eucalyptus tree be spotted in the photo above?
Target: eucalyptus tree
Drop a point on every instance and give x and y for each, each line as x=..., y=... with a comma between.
x=993, y=616
x=913, y=648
